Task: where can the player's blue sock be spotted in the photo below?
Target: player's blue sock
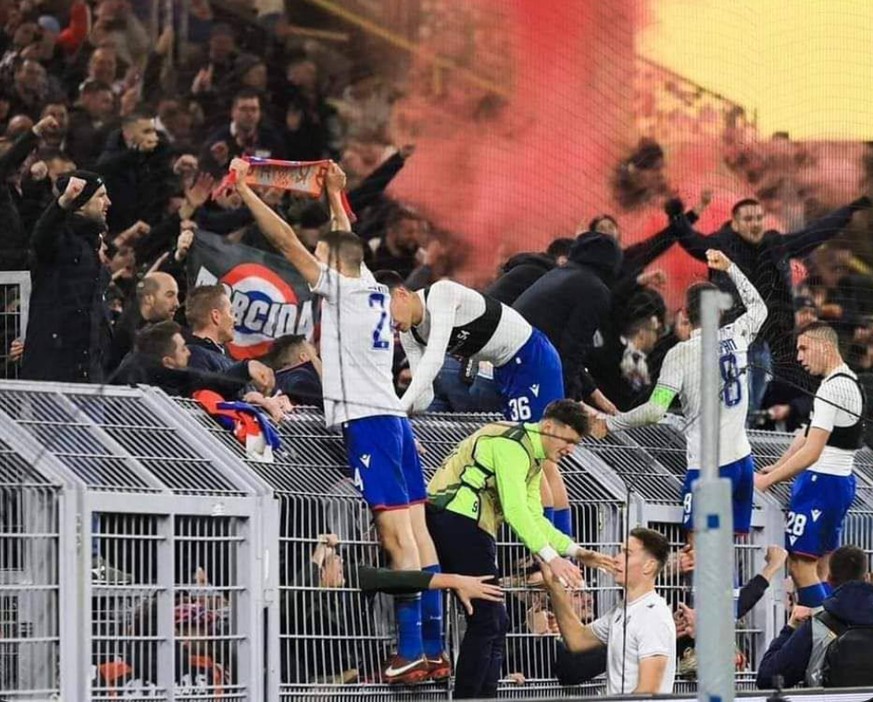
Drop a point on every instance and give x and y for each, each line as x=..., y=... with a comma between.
x=563, y=521
x=828, y=589
x=811, y=595
x=549, y=513
x=432, y=618
x=407, y=615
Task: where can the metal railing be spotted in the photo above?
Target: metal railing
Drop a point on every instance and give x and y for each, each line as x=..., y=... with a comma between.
x=141, y=551
x=14, y=305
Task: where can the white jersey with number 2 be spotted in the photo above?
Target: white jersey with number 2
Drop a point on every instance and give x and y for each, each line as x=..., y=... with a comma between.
x=357, y=347
x=681, y=373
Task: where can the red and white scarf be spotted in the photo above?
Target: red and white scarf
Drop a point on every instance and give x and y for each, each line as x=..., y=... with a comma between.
x=299, y=177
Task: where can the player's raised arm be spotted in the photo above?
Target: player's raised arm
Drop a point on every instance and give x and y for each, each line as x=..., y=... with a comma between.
x=756, y=309
x=278, y=232
x=336, y=183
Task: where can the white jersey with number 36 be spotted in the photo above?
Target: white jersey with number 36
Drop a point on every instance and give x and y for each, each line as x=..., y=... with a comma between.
x=357, y=348
x=681, y=373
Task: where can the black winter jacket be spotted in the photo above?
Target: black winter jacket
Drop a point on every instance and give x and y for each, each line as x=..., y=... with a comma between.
x=68, y=327
x=767, y=267
x=139, y=184
x=571, y=305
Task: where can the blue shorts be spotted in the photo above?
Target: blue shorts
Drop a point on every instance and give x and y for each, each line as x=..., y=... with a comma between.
x=384, y=463
x=742, y=476
x=818, y=507
x=531, y=380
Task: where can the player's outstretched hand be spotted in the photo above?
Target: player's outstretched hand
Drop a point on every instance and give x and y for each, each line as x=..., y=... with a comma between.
x=597, y=427
x=593, y=559
x=565, y=572
x=476, y=587
x=716, y=260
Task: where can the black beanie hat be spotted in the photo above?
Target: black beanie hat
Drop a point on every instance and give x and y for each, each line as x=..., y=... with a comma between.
x=93, y=182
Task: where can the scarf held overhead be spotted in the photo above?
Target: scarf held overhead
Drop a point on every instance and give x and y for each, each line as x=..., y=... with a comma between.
x=299, y=177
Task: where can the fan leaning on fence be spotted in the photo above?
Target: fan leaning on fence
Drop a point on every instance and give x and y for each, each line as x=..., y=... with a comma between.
x=493, y=475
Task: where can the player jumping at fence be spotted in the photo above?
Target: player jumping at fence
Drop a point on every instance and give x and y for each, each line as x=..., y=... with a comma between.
x=821, y=457
x=680, y=375
x=492, y=476
x=357, y=350
x=449, y=318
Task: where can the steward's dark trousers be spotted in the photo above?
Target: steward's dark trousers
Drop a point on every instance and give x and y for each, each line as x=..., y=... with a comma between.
x=464, y=548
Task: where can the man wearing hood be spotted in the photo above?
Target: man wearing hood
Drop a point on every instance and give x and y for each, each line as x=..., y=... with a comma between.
x=524, y=269
x=571, y=306
x=800, y=651
x=68, y=329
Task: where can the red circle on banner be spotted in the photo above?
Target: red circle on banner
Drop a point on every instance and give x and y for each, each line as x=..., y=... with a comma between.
x=272, y=286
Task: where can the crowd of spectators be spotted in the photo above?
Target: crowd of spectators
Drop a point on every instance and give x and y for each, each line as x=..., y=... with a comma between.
x=109, y=156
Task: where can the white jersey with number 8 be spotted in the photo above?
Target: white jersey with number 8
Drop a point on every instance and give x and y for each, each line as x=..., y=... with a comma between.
x=681, y=373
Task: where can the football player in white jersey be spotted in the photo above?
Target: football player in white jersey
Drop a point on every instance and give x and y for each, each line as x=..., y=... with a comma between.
x=450, y=318
x=357, y=351
x=680, y=375
x=821, y=461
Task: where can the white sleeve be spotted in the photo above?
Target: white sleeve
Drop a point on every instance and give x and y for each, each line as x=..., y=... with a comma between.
x=832, y=396
x=657, y=637
x=756, y=309
x=414, y=354
x=442, y=306
x=327, y=284
x=673, y=369
x=600, y=627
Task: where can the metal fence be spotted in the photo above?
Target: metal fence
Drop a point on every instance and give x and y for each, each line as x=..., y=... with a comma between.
x=132, y=553
x=143, y=554
x=14, y=304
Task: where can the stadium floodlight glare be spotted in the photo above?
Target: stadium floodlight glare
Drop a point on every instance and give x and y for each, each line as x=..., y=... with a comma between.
x=713, y=525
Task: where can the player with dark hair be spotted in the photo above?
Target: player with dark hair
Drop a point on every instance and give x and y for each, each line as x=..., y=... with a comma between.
x=821, y=458
x=639, y=634
x=680, y=375
x=494, y=475
x=357, y=350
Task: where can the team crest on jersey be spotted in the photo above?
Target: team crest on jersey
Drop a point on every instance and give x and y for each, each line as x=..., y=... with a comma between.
x=264, y=306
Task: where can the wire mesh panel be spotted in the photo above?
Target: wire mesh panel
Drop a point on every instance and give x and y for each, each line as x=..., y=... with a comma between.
x=29, y=581
x=125, y=589
x=207, y=609
x=113, y=439
x=14, y=300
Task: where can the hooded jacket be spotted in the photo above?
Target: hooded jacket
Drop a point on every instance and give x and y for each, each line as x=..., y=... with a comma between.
x=519, y=273
x=571, y=305
x=789, y=653
x=68, y=329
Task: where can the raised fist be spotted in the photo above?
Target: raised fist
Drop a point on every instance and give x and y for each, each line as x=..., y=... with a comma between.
x=716, y=260
x=47, y=125
x=74, y=188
